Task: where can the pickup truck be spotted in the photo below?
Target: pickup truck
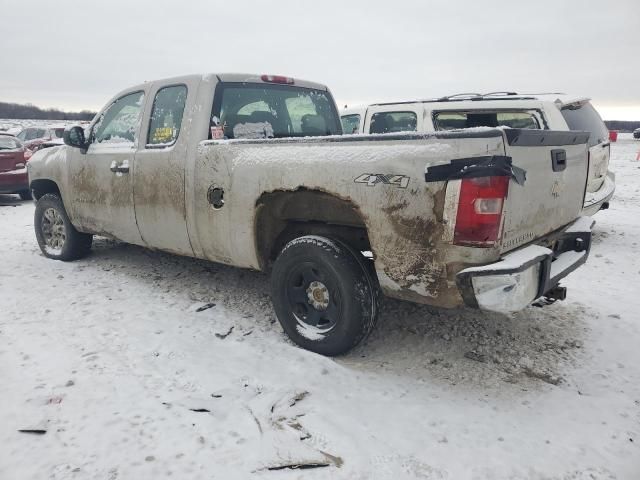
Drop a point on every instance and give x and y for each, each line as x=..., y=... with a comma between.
x=252, y=171
x=509, y=109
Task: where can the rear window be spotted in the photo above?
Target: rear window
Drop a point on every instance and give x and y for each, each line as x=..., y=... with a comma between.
x=350, y=123
x=8, y=143
x=273, y=111
x=585, y=118
x=389, y=122
x=454, y=120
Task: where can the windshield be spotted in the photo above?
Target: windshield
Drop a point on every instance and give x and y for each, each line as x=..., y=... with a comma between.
x=31, y=134
x=248, y=110
x=9, y=143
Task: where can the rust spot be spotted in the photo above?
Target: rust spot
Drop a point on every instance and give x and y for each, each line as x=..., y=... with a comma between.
x=412, y=254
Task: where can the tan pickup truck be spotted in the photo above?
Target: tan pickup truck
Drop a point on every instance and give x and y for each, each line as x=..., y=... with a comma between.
x=252, y=171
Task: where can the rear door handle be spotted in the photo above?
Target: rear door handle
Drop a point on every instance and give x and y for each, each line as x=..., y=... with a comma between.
x=122, y=168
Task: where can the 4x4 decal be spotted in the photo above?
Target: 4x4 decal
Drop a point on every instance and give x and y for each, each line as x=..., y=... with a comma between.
x=372, y=179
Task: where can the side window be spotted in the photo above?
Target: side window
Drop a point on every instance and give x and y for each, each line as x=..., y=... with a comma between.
x=166, y=116
x=518, y=120
x=450, y=120
x=454, y=120
x=350, y=123
x=388, y=122
x=119, y=123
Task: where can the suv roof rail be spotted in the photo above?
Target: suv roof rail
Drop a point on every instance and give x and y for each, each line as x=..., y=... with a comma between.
x=502, y=94
x=460, y=96
x=545, y=93
x=475, y=97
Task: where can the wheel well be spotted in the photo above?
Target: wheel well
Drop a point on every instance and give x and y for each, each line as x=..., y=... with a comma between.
x=284, y=215
x=41, y=187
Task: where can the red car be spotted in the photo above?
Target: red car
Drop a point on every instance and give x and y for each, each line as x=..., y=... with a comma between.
x=34, y=136
x=13, y=167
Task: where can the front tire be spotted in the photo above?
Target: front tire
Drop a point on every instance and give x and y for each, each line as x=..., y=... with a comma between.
x=57, y=237
x=324, y=294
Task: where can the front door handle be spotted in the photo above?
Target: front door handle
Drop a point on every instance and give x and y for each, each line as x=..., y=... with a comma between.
x=120, y=169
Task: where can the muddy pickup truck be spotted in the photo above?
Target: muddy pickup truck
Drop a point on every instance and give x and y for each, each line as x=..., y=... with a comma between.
x=253, y=171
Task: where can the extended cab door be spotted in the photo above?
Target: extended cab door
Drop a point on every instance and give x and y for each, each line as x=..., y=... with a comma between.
x=100, y=179
x=159, y=179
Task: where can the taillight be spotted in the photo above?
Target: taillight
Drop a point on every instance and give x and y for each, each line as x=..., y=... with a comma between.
x=27, y=154
x=479, y=216
x=277, y=79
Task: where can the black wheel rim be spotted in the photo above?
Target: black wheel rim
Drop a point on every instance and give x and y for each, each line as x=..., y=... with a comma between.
x=313, y=299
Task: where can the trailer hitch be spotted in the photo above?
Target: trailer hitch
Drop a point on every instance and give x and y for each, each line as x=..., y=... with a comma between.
x=552, y=296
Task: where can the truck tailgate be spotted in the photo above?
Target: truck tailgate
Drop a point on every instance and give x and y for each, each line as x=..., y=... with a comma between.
x=556, y=165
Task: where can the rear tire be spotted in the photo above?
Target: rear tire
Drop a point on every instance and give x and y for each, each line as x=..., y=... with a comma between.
x=25, y=195
x=57, y=237
x=324, y=294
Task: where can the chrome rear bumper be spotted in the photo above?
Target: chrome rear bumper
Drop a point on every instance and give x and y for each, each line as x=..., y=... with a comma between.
x=524, y=275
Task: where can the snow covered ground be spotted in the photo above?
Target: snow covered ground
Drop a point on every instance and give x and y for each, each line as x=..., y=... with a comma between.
x=114, y=357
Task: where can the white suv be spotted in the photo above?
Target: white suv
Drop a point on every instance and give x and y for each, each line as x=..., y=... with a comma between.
x=536, y=111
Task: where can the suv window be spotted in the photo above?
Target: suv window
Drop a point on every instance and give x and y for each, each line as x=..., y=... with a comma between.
x=119, y=123
x=166, y=115
x=273, y=111
x=585, y=118
x=350, y=123
x=451, y=120
x=31, y=134
x=387, y=122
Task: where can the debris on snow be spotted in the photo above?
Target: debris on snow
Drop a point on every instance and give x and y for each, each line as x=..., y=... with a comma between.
x=222, y=336
x=206, y=306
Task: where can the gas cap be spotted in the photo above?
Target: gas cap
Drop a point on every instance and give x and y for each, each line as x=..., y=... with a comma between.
x=215, y=196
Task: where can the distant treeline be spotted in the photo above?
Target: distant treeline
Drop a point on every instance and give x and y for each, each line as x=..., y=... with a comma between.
x=31, y=112
x=622, y=125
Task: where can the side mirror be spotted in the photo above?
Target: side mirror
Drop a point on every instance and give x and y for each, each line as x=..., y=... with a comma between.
x=74, y=137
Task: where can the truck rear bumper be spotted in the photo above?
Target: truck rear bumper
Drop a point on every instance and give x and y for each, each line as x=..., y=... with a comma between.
x=593, y=201
x=526, y=274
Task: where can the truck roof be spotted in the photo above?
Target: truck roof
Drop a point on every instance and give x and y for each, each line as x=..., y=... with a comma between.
x=247, y=78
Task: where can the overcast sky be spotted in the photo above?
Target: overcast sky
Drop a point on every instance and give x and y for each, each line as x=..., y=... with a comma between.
x=77, y=54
